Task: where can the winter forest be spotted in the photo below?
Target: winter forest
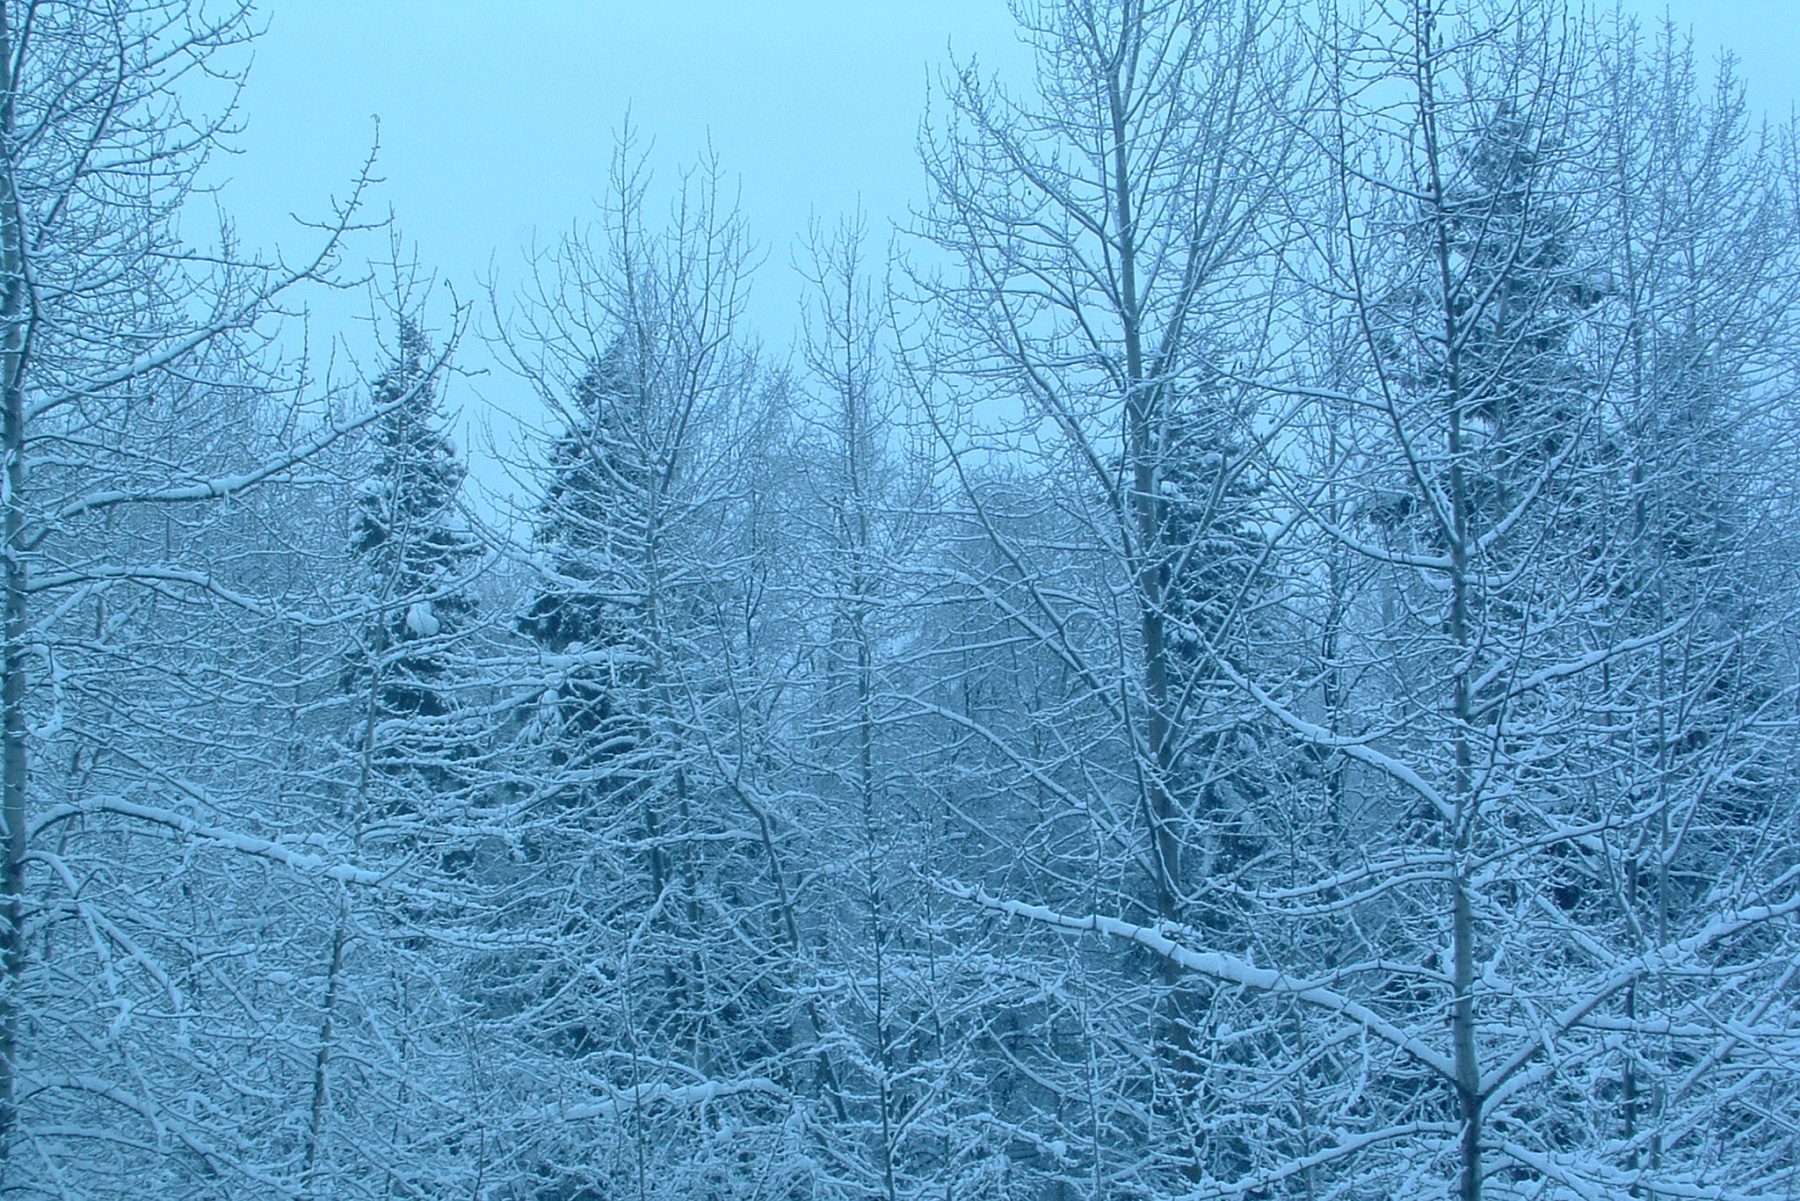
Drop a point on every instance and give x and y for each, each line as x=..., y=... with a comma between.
x=1251, y=651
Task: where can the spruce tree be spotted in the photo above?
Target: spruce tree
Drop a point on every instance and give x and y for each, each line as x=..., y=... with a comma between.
x=593, y=534
x=414, y=552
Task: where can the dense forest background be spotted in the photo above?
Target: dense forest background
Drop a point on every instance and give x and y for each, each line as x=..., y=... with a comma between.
x=1252, y=654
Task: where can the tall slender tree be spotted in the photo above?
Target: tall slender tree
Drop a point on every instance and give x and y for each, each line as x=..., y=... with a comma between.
x=1505, y=700
x=650, y=986
x=1113, y=231
x=131, y=405
x=416, y=549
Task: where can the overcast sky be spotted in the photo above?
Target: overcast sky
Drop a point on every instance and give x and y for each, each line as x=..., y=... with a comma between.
x=496, y=128
x=496, y=120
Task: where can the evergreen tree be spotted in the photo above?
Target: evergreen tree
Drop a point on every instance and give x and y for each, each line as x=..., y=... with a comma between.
x=1230, y=762
x=415, y=552
x=593, y=532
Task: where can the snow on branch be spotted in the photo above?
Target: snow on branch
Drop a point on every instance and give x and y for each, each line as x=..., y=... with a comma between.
x=1351, y=748
x=1227, y=969
x=1672, y=956
x=1349, y=1146
x=220, y=487
x=248, y=844
x=641, y=1096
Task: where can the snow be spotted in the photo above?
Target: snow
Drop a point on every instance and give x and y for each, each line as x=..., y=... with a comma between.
x=421, y=622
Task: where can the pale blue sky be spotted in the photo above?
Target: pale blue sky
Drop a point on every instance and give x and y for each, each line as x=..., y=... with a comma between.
x=497, y=119
x=493, y=127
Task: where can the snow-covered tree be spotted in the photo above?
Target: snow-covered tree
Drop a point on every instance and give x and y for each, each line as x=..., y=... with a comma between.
x=412, y=542
x=1113, y=228
x=1530, y=699
x=654, y=976
x=861, y=500
x=150, y=900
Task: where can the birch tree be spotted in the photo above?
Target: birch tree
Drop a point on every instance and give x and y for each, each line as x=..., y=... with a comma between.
x=1489, y=289
x=1113, y=231
x=863, y=499
x=1467, y=534
x=1700, y=233
x=656, y=984
x=134, y=411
